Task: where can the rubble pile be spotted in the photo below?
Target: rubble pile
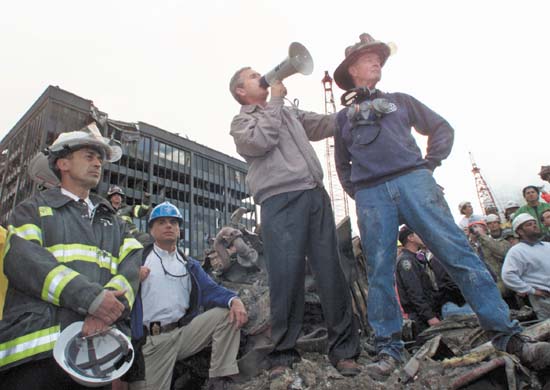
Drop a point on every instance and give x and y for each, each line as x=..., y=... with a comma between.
x=433, y=366
x=454, y=354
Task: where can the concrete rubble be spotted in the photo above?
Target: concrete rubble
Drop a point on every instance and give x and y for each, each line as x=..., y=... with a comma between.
x=455, y=354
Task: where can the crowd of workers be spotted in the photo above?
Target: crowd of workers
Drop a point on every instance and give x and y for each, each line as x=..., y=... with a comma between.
x=71, y=257
x=514, y=251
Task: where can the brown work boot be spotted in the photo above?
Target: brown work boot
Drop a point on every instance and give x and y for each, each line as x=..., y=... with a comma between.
x=219, y=383
x=348, y=367
x=383, y=367
x=533, y=354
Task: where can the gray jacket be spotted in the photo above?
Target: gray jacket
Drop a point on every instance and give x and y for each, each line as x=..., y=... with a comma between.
x=274, y=141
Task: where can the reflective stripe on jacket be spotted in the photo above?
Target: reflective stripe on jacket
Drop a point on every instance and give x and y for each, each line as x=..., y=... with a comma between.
x=57, y=261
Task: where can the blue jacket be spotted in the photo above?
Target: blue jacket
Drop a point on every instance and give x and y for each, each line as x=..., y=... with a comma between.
x=205, y=294
x=364, y=159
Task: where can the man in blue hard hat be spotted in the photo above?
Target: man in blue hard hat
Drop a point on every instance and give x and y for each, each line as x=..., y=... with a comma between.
x=169, y=310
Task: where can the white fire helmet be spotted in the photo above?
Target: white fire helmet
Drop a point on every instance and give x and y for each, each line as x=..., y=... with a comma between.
x=87, y=136
x=41, y=167
x=95, y=360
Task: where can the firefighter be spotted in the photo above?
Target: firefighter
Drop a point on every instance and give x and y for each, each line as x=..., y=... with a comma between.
x=116, y=196
x=68, y=258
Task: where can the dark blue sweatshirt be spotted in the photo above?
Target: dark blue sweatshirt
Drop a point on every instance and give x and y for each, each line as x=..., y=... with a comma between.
x=362, y=162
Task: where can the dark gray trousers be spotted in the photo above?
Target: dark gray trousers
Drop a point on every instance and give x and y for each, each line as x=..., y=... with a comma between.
x=295, y=225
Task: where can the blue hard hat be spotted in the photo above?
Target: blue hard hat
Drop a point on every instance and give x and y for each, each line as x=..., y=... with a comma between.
x=165, y=210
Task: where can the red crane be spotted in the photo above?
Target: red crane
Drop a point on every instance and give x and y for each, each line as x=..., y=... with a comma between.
x=484, y=194
x=337, y=194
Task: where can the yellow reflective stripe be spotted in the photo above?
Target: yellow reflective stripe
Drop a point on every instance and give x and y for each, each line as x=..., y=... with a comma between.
x=45, y=211
x=3, y=278
x=128, y=245
x=55, y=282
x=28, y=345
x=120, y=283
x=65, y=253
x=27, y=232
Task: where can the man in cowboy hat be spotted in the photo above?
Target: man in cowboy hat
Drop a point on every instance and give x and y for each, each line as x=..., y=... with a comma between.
x=383, y=169
x=286, y=179
x=69, y=259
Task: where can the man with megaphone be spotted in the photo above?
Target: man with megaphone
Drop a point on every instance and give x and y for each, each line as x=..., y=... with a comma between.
x=286, y=179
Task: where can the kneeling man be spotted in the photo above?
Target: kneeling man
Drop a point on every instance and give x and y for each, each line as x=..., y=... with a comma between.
x=183, y=310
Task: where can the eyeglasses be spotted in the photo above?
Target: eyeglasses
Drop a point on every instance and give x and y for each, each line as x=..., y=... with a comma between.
x=169, y=273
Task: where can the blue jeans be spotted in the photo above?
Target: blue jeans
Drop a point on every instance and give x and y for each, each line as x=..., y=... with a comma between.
x=416, y=200
x=450, y=309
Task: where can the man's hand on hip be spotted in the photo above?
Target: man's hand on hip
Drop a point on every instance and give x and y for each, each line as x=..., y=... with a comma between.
x=237, y=313
x=110, y=308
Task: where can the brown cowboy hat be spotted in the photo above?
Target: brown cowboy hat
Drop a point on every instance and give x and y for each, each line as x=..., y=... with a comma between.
x=366, y=43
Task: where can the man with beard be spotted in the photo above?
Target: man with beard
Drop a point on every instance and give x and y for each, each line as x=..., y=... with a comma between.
x=526, y=269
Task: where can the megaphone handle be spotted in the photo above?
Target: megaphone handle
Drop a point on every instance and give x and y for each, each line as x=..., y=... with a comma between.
x=263, y=83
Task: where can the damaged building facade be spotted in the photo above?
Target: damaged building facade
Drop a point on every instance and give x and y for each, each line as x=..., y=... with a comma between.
x=206, y=185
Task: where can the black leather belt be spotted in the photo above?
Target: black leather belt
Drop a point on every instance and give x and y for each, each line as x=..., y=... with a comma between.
x=155, y=328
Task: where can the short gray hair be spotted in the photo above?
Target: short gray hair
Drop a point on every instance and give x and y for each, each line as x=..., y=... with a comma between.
x=236, y=82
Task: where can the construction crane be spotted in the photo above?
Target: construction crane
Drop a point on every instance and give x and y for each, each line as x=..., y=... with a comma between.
x=337, y=194
x=484, y=194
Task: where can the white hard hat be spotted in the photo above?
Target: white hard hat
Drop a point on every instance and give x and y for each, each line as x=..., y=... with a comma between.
x=95, y=360
x=492, y=218
x=87, y=136
x=40, y=168
x=463, y=204
x=520, y=220
x=511, y=204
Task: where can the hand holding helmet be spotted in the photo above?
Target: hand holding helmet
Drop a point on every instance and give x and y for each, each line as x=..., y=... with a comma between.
x=93, y=325
x=110, y=308
x=95, y=360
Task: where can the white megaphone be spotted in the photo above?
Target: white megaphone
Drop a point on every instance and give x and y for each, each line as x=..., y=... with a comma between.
x=298, y=61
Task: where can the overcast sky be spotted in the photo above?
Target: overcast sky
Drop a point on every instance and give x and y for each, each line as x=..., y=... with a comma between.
x=483, y=65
